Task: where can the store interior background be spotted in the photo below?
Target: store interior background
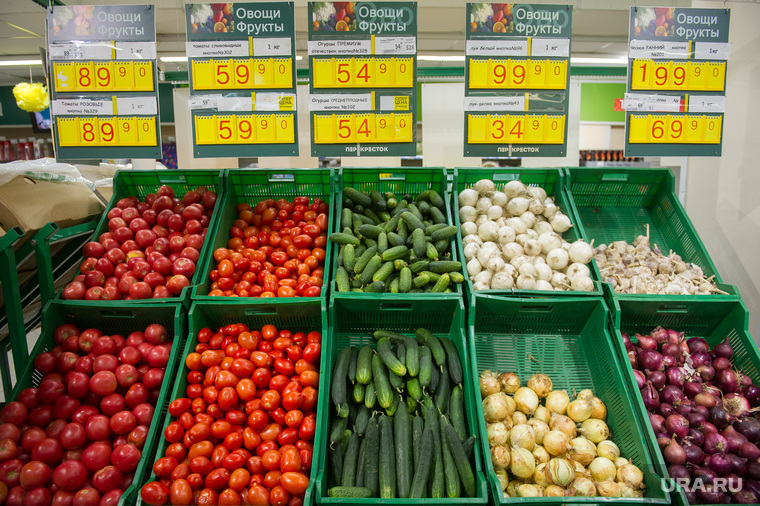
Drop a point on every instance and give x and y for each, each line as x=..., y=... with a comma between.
x=720, y=194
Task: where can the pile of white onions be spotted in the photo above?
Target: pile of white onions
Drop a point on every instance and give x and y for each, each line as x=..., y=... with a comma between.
x=639, y=268
x=555, y=449
x=513, y=239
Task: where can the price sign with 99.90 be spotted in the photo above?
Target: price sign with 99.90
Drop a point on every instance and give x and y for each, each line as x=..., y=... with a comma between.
x=509, y=74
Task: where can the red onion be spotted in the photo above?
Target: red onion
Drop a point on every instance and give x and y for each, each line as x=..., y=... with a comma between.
x=715, y=443
x=719, y=417
x=695, y=419
x=733, y=481
x=663, y=440
x=704, y=474
x=632, y=359
x=708, y=428
x=626, y=338
x=646, y=342
x=720, y=463
x=696, y=436
x=684, y=349
x=676, y=376
x=650, y=396
x=753, y=470
x=671, y=394
x=684, y=407
x=674, y=453
x=641, y=380
x=694, y=453
x=723, y=350
x=671, y=349
x=691, y=496
x=657, y=378
x=710, y=495
x=752, y=394
x=629, y=346
x=706, y=372
x=675, y=337
x=744, y=380
x=736, y=405
x=721, y=363
x=744, y=497
x=727, y=380
x=706, y=400
x=692, y=388
x=702, y=411
x=677, y=425
x=700, y=358
x=749, y=451
x=658, y=422
x=678, y=472
x=665, y=410
x=738, y=464
x=735, y=439
x=649, y=360
x=660, y=335
x=697, y=344
x=750, y=427
x=669, y=361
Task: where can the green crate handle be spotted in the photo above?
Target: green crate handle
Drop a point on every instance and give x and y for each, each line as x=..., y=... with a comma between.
x=671, y=308
x=395, y=306
x=172, y=178
x=614, y=177
x=279, y=178
x=505, y=177
x=253, y=311
x=115, y=313
x=536, y=309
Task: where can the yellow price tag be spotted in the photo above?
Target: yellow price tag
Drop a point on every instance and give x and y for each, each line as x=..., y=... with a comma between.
x=243, y=73
x=364, y=127
x=515, y=129
x=678, y=76
x=115, y=131
x=519, y=73
x=96, y=77
x=363, y=72
x=244, y=129
x=674, y=129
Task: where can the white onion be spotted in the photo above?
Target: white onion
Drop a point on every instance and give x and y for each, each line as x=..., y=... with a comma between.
x=468, y=197
x=519, y=260
x=474, y=267
x=523, y=464
x=495, y=212
x=550, y=209
x=501, y=222
x=557, y=259
x=468, y=227
x=544, y=285
x=506, y=235
x=537, y=193
x=557, y=401
x=467, y=213
x=470, y=251
x=483, y=276
x=489, y=231
x=512, y=250
x=549, y=241
x=543, y=271
x=602, y=469
x=483, y=204
x=481, y=286
x=560, y=280
x=608, y=449
x=517, y=206
x=495, y=263
x=482, y=218
x=499, y=198
x=502, y=281
x=486, y=251
x=529, y=219
x=510, y=269
x=484, y=187
x=472, y=238
x=532, y=247
x=582, y=284
x=522, y=436
x=581, y=252
x=536, y=207
x=527, y=269
x=542, y=227
x=560, y=223
x=577, y=270
x=518, y=225
x=515, y=188
x=526, y=282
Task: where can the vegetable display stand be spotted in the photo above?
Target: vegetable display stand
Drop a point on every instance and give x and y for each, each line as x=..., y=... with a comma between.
x=14, y=316
x=254, y=186
x=139, y=183
x=353, y=321
x=120, y=321
x=409, y=182
x=621, y=204
x=296, y=315
x=713, y=320
x=568, y=340
x=553, y=183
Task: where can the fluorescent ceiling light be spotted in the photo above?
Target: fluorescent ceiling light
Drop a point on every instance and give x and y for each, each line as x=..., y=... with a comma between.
x=621, y=60
x=423, y=57
x=19, y=63
x=173, y=59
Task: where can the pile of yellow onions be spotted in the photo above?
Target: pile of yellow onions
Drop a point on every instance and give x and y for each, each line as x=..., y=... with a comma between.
x=557, y=448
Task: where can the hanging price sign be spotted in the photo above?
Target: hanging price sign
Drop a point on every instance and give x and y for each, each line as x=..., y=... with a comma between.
x=238, y=52
x=517, y=59
x=104, y=81
x=676, y=56
x=363, y=67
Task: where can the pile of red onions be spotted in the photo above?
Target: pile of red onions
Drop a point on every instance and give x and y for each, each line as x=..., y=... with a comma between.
x=702, y=412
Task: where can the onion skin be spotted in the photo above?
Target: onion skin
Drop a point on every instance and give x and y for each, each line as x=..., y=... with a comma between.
x=727, y=380
x=660, y=335
x=706, y=372
x=650, y=396
x=723, y=350
x=677, y=425
x=749, y=451
x=694, y=454
x=646, y=342
x=674, y=453
x=657, y=422
x=671, y=394
x=751, y=393
x=715, y=443
x=692, y=389
x=736, y=405
x=700, y=358
x=721, y=363
x=657, y=378
x=750, y=428
x=650, y=360
x=705, y=400
x=641, y=380
x=697, y=344
x=720, y=463
x=720, y=417
x=735, y=439
x=696, y=436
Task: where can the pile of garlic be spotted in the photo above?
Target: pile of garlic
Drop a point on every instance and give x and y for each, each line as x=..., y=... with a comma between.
x=639, y=268
x=513, y=239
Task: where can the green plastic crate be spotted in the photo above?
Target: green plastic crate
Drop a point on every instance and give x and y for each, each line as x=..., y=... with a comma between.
x=619, y=204
x=567, y=339
x=122, y=321
x=139, y=183
x=714, y=320
x=400, y=181
x=553, y=182
x=303, y=315
x=351, y=323
x=251, y=187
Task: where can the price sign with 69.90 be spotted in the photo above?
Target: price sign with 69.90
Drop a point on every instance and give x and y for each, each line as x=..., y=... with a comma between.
x=517, y=71
x=676, y=81
x=104, y=81
x=242, y=79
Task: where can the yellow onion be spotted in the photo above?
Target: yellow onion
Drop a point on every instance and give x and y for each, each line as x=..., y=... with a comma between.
x=522, y=436
x=556, y=442
x=495, y=407
x=541, y=455
x=519, y=418
x=579, y=410
x=602, y=469
x=560, y=472
x=580, y=470
x=539, y=476
x=523, y=464
x=582, y=487
x=539, y=429
x=526, y=400
x=563, y=424
x=511, y=406
x=557, y=401
x=631, y=476
x=509, y=382
x=529, y=490
x=608, y=449
x=585, y=394
x=620, y=461
x=541, y=384
x=598, y=409
x=582, y=450
x=512, y=487
x=626, y=491
x=608, y=489
x=543, y=414
x=554, y=491
x=489, y=384
x=503, y=478
x=500, y=457
x=498, y=434
x=594, y=430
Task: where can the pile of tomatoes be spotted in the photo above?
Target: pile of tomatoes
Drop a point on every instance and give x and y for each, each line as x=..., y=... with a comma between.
x=151, y=248
x=77, y=438
x=276, y=249
x=243, y=434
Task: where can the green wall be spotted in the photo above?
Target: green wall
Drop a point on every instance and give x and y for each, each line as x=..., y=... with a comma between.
x=598, y=102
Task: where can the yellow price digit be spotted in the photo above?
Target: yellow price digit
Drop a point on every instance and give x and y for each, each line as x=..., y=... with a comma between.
x=241, y=74
x=112, y=131
x=103, y=76
x=674, y=129
x=678, y=76
x=373, y=72
x=244, y=129
x=370, y=127
x=515, y=129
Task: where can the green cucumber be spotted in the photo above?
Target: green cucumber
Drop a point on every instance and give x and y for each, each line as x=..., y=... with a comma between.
x=418, y=425
x=336, y=464
x=391, y=225
x=469, y=446
x=437, y=215
x=442, y=246
x=370, y=396
x=435, y=378
x=341, y=280
x=345, y=218
x=452, y=360
x=423, y=466
x=401, y=353
x=436, y=200
x=405, y=282
x=414, y=389
x=419, y=266
x=349, y=461
x=426, y=366
x=412, y=356
x=396, y=381
x=393, y=288
x=389, y=359
x=360, y=425
x=358, y=393
x=338, y=385
x=428, y=339
x=437, y=481
x=393, y=336
x=349, y=257
x=421, y=280
x=336, y=432
x=391, y=410
x=450, y=473
x=350, y=492
x=395, y=240
x=445, y=266
x=344, y=238
x=364, y=365
x=360, y=464
x=364, y=259
x=387, y=471
x=443, y=391
x=431, y=252
x=343, y=410
x=372, y=267
x=375, y=287
x=382, y=242
x=383, y=272
x=403, y=230
x=371, y=231
x=357, y=197
x=382, y=384
x=372, y=456
x=456, y=412
x=432, y=276
x=416, y=212
x=412, y=221
x=378, y=200
x=395, y=253
x=372, y=215
x=456, y=277
x=419, y=243
x=460, y=459
x=352, y=364
x=443, y=233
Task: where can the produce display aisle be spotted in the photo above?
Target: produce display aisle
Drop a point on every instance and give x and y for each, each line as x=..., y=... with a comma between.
x=341, y=337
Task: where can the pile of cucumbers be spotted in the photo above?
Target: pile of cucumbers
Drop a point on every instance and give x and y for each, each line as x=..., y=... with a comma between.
x=399, y=430
x=396, y=246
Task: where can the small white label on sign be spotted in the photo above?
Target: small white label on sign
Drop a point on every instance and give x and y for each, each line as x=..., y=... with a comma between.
x=202, y=101
x=80, y=51
x=81, y=107
x=658, y=49
x=135, y=50
x=340, y=47
x=387, y=103
x=550, y=47
x=275, y=102
x=341, y=102
x=215, y=49
x=707, y=103
x=234, y=104
x=395, y=45
x=136, y=105
x=279, y=46
x=493, y=47
x=638, y=102
x=494, y=103
x=712, y=50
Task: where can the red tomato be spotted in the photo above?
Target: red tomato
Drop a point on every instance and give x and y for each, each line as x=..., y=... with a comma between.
x=290, y=460
x=307, y=429
x=294, y=482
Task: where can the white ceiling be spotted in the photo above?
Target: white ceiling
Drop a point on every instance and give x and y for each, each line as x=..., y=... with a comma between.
x=600, y=28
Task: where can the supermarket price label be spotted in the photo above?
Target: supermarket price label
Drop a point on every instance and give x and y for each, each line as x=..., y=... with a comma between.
x=509, y=74
x=515, y=103
x=244, y=129
x=363, y=128
x=678, y=76
x=100, y=77
x=242, y=74
x=341, y=101
x=115, y=131
x=675, y=129
x=515, y=129
x=372, y=72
